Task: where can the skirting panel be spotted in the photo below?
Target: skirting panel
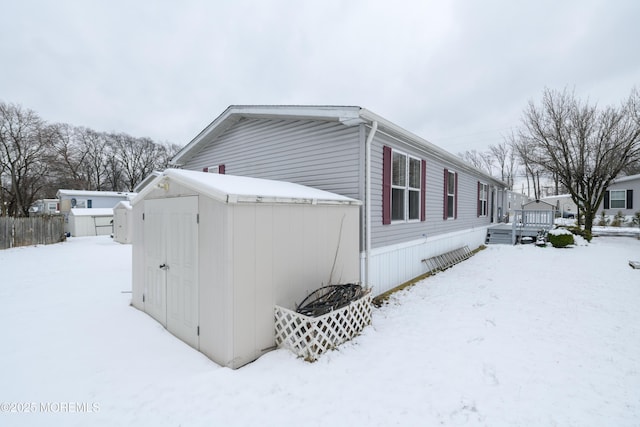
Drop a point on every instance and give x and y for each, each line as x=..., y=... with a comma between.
x=391, y=266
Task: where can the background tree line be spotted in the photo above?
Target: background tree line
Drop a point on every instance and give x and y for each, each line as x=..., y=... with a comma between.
x=39, y=158
x=576, y=145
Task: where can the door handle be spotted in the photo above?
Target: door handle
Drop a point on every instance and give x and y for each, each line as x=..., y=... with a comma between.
x=163, y=266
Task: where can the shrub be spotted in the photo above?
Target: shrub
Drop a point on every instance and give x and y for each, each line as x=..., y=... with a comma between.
x=636, y=219
x=560, y=237
x=580, y=232
x=618, y=220
x=604, y=221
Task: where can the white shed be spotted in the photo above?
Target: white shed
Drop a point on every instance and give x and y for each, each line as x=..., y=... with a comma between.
x=90, y=222
x=213, y=254
x=123, y=222
x=538, y=205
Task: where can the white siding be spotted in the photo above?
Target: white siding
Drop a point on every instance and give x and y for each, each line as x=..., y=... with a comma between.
x=252, y=256
x=393, y=265
x=280, y=254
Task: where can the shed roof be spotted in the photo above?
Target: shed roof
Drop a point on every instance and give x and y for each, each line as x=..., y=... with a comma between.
x=92, y=212
x=124, y=204
x=242, y=189
x=86, y=193
x=538, y=202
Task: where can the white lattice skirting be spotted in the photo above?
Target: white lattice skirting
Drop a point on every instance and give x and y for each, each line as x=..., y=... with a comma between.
x=309, y=337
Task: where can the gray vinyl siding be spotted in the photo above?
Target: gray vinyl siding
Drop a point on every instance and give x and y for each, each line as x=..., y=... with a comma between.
x=399, y=232
x=319, y=154
x=330, y=156
x=625, y=184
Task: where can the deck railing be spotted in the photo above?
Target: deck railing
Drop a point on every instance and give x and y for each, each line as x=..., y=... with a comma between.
x=525, y=219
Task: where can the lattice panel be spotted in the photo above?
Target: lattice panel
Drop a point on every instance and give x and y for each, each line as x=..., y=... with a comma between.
x=309, y=337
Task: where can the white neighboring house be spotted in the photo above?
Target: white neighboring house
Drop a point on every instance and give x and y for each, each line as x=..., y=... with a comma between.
x=622, y=195
x=565, y=206
x=82, y=199
x=515, y=201
x=90, y=222
x=123, y=222
x=45, y=207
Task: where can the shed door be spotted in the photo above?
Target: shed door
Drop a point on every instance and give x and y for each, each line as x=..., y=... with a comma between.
x=171, y=253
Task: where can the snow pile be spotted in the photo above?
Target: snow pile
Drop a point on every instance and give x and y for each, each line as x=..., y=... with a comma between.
x=516, y=335
x=560, y=232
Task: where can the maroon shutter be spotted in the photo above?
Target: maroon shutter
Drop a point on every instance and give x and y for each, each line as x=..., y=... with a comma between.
x=205, y=169
x=386, y=185
x=423, y=191
x=221, y=169
x=446, y=195
x=479, y=201
x=455, y=198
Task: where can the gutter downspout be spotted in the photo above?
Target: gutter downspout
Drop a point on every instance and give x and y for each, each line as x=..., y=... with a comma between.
x=367, y=184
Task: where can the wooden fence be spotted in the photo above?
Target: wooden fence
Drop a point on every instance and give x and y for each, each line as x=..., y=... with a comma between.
x=39, y=230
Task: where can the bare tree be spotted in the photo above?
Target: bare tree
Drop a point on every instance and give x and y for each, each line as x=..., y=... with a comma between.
x=25, y=142
x=583, y=146
x=37, y=159
x=532, y=170
x=166, y=151
x=482, y=161
x=70, y=154
x=137, y=158
x=506, y=161
x=632, y=169
x=4, y=196
x=95, y=164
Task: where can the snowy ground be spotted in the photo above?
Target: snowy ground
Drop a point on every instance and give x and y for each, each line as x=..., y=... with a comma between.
x=515, y=336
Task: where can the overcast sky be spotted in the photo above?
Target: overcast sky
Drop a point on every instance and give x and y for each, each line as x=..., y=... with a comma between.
x=457, y=73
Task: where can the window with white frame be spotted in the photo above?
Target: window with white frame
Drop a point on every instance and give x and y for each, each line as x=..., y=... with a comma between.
x=451, y=194
x=79, y=203
x=618, y=199
x=483, y=190
x=405, y=187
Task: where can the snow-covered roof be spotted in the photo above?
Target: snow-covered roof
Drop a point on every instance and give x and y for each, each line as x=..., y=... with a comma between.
x=538, y=202
x=146, y=181
x=86, y=193
x=559, y=196
x=92, y=212
x=626, y=178
x=239, y=189
x=125, y=204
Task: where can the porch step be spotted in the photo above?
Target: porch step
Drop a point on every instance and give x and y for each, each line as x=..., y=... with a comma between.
x=498, y=237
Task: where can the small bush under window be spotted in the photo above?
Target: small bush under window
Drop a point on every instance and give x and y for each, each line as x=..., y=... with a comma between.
x=560, y=238
x=578, y=231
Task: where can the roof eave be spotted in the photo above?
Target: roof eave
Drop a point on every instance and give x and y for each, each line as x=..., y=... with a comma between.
x=349, y=116
x=423, y=144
